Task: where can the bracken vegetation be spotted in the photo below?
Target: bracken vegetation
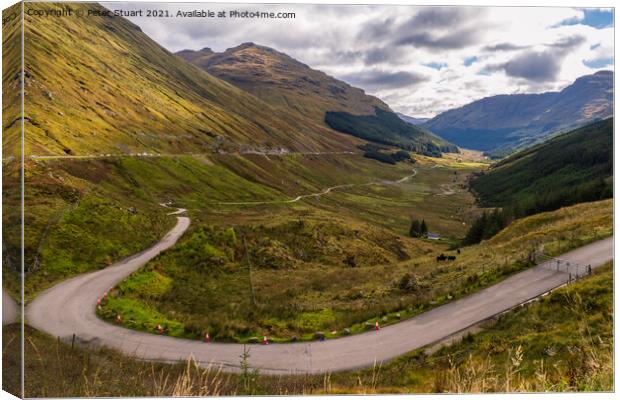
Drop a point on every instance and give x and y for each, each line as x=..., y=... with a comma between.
x=289, y=281
x=85, y=214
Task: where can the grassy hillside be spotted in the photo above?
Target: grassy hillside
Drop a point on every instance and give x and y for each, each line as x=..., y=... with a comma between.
x=84, y=214
x=117, y=91
x=385, y=127
x=314, y=275
x=11, y=67
x=567, y=162
x=562, y=343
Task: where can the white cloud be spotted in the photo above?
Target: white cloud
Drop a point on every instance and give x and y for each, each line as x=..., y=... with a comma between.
x=386, y=50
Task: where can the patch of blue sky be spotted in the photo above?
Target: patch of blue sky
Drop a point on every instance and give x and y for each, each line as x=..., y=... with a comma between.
x=436, y=65
x=598, y=18
x=599, y=63
x=470, y=60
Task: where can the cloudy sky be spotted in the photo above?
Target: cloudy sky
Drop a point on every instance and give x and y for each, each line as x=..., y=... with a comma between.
x=420, y=60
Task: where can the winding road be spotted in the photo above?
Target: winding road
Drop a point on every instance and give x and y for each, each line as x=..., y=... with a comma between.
x=323, y=192
x=145, y=154
x=69, y=308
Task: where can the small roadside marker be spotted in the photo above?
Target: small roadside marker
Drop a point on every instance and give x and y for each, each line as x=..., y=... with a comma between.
x=207, y=338
x=377, y=326
x=119, y=319
x=265, y=340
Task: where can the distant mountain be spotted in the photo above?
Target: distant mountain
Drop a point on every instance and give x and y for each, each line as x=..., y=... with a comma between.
x=284, y=82
x=568, y=164
x=412, y=120
x=280, y=80
x=118, y=91
x=501, y=124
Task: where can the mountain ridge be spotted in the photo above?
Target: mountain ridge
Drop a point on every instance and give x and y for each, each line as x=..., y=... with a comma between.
x=506, y=122
x=283, y=81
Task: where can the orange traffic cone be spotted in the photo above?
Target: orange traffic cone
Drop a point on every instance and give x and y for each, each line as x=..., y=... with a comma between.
x=265, y=340
x=207, y=338
x=377, y=326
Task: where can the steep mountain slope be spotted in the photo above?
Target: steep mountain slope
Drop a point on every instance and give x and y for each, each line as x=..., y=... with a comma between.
x=503, y=123
x=11, y=90
x=572, y=168
x=282, y=81
x=99, y=84
x=581, y=160
x=385, y=127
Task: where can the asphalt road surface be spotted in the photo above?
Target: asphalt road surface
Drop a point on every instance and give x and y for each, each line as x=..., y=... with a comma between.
x=10, y=309
x=69, y=308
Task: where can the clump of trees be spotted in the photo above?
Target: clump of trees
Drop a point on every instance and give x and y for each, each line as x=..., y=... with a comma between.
x=400, y=155
x=386, y=128
x=418, y=228
x=379, y=153
x=379, y=156
x=486, y=226
x=490, y=223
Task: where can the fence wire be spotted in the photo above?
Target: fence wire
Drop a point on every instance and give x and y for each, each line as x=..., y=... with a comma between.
x=573, y=269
